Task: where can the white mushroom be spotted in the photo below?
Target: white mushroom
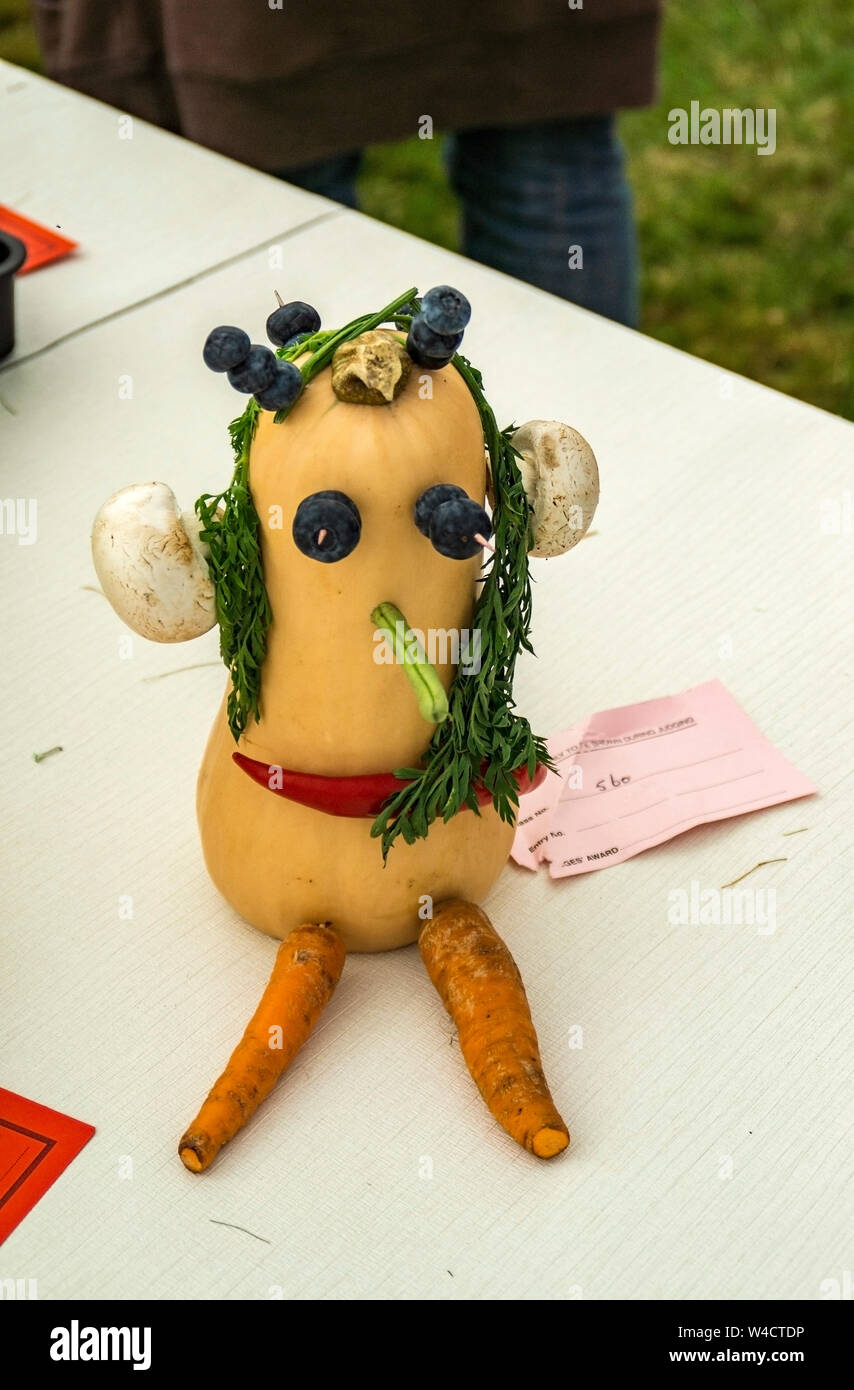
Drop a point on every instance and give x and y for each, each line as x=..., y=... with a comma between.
x=152, y=565
x=561, y=482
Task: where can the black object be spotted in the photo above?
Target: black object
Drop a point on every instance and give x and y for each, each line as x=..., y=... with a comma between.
x=454, y=526
x=427, y=348
x=430, y=500
x=335, y=517
x=255, y=372
x=451, y=521
x=13, y=253
x=445, y=310
x=225, y=347
x=290, y=319
x=283, y=389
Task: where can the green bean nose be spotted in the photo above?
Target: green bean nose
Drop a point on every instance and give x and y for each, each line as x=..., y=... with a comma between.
x=409, y=653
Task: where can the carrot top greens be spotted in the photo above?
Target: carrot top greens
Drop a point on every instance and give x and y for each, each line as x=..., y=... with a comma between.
x=483, y=739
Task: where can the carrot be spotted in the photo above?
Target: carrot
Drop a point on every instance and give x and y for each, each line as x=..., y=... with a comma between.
x=307, y=969
x=480, y=986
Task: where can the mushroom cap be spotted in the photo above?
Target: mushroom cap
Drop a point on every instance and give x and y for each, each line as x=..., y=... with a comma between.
x=152, y=565
x=561, y=480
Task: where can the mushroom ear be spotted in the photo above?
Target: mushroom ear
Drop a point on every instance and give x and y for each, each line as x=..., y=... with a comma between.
x=561, y=482
x=152, y=565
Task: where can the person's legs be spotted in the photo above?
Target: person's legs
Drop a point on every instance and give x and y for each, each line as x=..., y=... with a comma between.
x=333, y=178
x=538, y=199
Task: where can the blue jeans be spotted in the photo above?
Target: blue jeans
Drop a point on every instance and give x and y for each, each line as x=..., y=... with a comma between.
x=549, y=204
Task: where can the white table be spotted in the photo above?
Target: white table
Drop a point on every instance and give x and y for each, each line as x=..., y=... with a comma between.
x=149, y=211
x=701, y=1045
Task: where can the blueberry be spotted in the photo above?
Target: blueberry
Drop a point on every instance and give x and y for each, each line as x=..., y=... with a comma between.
x=327, y=526
x=445, y=310
x=225, y=347
x=255, y=372
x=430, y=364
x=427, y=348
x=297, y=338
x=454, y=525
x=290, y=319
x=430, y=500
x=283, y=389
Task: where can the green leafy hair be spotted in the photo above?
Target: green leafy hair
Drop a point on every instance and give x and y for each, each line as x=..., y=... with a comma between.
x=483, y=740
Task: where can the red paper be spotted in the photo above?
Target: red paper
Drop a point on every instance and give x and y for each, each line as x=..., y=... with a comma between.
x=43, y=244
x=36, y=1145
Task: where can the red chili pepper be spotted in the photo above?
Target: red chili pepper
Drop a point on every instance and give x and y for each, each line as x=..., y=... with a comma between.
x=363, y=795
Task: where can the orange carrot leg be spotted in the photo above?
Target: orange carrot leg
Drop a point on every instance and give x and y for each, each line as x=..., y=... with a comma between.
x=480, y=986
x=307, y=969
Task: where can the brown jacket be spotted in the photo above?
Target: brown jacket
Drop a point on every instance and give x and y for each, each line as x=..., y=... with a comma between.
x=279, y=83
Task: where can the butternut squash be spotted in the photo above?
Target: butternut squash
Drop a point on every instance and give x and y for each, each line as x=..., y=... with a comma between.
x=354, y=514
x=327, y=706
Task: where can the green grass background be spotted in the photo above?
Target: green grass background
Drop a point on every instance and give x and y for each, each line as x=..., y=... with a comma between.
x=748, y=260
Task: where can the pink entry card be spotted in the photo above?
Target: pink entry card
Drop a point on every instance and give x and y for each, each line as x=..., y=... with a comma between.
x=632, y=777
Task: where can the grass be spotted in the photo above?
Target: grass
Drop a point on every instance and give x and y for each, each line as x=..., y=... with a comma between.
x=747, y=259
x=17, y=40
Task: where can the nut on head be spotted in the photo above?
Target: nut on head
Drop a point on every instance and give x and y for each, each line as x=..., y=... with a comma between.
x=371, y=369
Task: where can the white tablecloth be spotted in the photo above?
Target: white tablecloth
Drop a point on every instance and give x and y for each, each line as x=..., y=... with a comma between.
x=710, y=1102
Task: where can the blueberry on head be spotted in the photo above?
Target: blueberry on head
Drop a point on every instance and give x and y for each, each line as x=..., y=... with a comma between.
x=225, y=347
x=436, y=332
x=327, y=526
x=284, y=388
x=427, y=348
x=255, y=372
x=289, y=320
x=455, y=525
x=445, y=310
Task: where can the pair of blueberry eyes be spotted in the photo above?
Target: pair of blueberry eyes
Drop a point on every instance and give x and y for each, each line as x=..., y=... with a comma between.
x=327, y=525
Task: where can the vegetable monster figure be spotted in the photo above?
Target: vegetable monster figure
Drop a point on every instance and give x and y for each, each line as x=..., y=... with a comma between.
x=360, y=784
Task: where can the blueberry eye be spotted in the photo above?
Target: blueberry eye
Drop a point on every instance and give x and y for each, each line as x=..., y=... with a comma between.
x=327, y=526
x=455, y=525
x=430, y=500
